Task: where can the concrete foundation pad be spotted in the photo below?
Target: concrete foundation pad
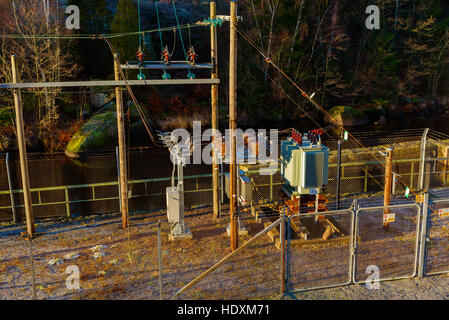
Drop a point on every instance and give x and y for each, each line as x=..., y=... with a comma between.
x=177, y=237
x=242, y=230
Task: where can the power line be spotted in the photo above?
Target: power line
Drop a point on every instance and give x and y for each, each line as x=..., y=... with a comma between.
x=133, y=97
x=99, y=36
x=305, y=95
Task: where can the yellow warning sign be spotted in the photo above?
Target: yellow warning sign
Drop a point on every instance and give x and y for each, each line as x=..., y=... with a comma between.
x=419, y=198
x=444, y=212
x=390, y=217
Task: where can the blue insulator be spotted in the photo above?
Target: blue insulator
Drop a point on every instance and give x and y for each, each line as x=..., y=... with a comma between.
x=166, y=76
x=191, y=76
x=141, y=76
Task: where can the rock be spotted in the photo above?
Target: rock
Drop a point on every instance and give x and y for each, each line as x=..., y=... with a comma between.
x=97, y=133
x=382, y=120
x=347, y=116
x=98, y=100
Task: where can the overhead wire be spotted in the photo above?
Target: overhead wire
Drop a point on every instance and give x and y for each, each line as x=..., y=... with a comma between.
x=99, y=36
x=133, y=97
x=294, y=102
x=305, y=95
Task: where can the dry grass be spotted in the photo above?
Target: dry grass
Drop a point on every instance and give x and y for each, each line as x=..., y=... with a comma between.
x=129, y=267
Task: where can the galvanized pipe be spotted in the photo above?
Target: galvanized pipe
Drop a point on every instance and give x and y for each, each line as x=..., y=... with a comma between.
x=11, y=194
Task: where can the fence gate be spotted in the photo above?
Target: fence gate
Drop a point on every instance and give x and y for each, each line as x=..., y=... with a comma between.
x=386, y=253
x=437, y=241
x=319, y=250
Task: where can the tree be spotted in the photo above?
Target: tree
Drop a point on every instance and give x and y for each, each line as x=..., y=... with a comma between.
x=93, y=55
x=40, y=60
x=126, y=20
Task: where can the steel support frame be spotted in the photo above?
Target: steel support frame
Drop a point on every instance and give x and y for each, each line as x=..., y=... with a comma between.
x=111, y=83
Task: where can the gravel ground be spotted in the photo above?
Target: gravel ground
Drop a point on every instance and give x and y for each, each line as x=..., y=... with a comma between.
x=115, y=264
x=428, y=288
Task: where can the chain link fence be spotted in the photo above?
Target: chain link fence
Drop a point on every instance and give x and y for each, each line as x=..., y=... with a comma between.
x=391, y=247
x=319, y=250
x=437, y=238
x=89, y=184
x=253, y=272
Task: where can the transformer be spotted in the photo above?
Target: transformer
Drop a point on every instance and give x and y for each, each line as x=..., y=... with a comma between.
x=304, y=164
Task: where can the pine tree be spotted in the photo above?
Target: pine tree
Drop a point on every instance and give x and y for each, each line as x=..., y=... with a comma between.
x=126, y=20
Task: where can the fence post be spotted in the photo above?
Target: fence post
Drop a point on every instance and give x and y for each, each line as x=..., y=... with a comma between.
x=159, y=250
x=288, y=253
x=354, y=232
x=337, y=191
x=365, y=186
x=282, y=247
x=423, y=239
x=393, y=184
x=11, y=194
x=446, y=166
x=221, y=183
x=67, y=202
x=118, y=177
x=423, y=159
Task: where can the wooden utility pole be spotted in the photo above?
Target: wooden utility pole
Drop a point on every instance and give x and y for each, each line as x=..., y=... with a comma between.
x=22, y=150
x=233, y=124
x=214, y=94
x=388, y=181
x=121, y=145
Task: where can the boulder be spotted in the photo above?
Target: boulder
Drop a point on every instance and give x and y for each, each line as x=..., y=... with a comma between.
x=347, y=116
x=100, y=131
x=97, y=133
x=98, y=100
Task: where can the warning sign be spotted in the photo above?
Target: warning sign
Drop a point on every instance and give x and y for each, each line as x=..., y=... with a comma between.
x=443, y=212
x=390, y=217
x=419, y=198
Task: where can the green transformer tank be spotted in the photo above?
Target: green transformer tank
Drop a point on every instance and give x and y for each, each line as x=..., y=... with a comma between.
x=304, y=164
